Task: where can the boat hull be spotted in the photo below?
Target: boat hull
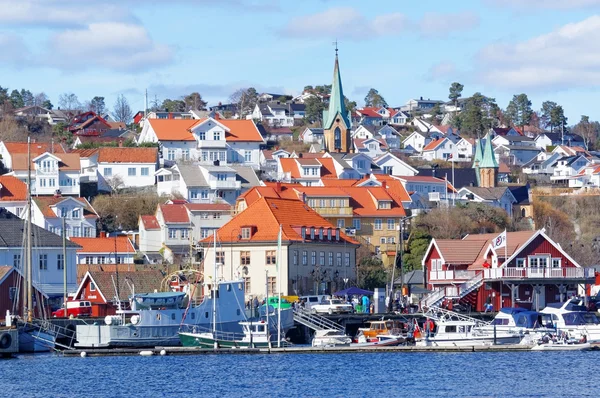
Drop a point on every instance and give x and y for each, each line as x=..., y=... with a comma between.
x=201, y=341
x=467, y=342
x=562, y=347
x=31, y=341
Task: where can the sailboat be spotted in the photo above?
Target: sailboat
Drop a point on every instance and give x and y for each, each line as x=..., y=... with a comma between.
x=256, y=334
x=33, y=337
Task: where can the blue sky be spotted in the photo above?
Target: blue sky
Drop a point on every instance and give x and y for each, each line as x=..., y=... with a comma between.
x=548, y=49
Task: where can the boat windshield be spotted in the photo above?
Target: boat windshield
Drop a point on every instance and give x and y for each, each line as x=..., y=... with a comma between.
x=500, y=322
x=580, y=318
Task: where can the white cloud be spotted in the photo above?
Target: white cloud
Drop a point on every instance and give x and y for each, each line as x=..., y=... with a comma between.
x=564, y=58
x=545, y=4
x=349, y=23
x=441, y=70
x=112, y=45
x=13, y=50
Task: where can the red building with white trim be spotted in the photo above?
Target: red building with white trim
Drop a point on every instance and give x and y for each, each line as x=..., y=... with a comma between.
x=529, y=272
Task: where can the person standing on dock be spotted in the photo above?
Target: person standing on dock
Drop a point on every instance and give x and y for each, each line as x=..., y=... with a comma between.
x=365, y=304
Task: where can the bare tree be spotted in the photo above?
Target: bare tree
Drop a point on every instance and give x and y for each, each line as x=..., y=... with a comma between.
x=122, y=111
x=245, y=100
x=115, y=183
x=69, y=102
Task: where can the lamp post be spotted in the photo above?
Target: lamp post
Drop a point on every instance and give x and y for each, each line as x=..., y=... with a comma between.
x=399, y=251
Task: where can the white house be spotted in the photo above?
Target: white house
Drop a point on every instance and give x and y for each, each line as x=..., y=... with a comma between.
x=268, y=159
x=126, y=167
x=205, y=140
x=273, y=113
x=10, y=149
x=425, y=127
x=363, y=132
x=311, y=135
x=441, y=148
x=13, y=195
x=500, y=197
x=568, y=166
x=351, y=165
x=371, y=147
x=80, y=217
x=464, y=150
x=49, y=172
x=416, y=140
x=392, y=165
x=390, y=136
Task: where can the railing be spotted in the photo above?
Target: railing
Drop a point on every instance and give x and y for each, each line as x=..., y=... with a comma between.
x=434, y=297
x=451, y=275
x=333, y=211
x=468, y=286
x=214, y=184
x=538, y=273
x=46, y=171
x=315, y=322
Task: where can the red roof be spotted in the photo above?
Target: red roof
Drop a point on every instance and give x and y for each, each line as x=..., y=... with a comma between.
x=37, y=148
x=127, y=155
x=174, y=213
x=181, y=129
x=369, y=112
x=328, y=168
x=13, y=189
x=433, y=144
x=45, y=202
x=150, y=222
x=119, y=244
x=266, y=215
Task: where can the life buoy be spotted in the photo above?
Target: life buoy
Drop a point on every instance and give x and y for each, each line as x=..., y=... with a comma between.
x=5, y=341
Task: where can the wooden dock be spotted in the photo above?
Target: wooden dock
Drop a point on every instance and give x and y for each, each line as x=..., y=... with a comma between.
x=162, y=351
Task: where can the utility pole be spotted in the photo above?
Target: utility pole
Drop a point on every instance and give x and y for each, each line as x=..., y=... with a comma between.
x=64, y=254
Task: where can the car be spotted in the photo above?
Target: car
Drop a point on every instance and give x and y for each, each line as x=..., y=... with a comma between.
x=75, y=308
x=310, y=301
x=332, y=306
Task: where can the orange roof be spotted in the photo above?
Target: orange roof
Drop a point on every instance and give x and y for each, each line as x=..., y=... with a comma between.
x=12, y=189
x=85, y=153
x=331, y=182
x=394, y=187
x=363, y=203
x=150, y=222
x=433, y=144
x=37, y=148
x=45, y=202
x=173, y=129
x=266, y=214
x=175, y=213
x=322, y=191
x=119, y=244
x=180, y=129
x=68, y=161
x=127, y=155
x=289, y=165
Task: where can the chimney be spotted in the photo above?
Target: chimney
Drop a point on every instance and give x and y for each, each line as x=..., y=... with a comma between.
x=421, y=98
x=216, y=162
x=103, y=234
x=120, y=143
x=278, y=187
x=304, y=197
x=170, y=115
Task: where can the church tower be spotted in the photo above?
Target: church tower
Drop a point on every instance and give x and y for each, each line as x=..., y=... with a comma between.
x=336, y=121
x=485, y=164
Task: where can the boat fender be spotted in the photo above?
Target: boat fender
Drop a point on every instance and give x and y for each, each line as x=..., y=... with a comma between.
x=5, y=341
x=83, y=354
x=146, y=353
x=163, y=352
x=135, y=319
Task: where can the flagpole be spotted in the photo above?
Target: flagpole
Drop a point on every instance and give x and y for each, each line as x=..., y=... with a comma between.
x=279, y=286
x=505, y=246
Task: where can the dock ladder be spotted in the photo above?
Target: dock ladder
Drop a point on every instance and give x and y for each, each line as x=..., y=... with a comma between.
x=314, y=321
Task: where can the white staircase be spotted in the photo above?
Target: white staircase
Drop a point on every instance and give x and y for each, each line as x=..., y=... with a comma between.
x=436, y=297
x=314, y=321
x=442, y=315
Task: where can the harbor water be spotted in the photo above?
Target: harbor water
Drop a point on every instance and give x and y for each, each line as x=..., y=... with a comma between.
x=479, y=374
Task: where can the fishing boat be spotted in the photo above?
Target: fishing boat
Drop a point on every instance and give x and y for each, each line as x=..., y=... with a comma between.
x=255, y=335
x=330, y=338
x=572, y=317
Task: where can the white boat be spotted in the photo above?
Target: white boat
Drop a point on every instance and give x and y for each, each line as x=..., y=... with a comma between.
x=529, y=324
x=561, y=346
x=464, y=334
x=330, y=338
x=572, y=317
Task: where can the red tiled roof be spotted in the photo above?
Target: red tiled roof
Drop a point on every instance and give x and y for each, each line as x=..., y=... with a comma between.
x=503, y=168
x=363, y=203
x=265, y=216
x=150, y=222
x=174, y=213
x=127, y=155
x=328, y=168
x=369, y=112
x=241, y=131
x=68, y=161
x=85, y=153
x=289, y=165
x=13, y=189
x=119, y=244
x=267, y=154
x=45, y=202
x=37, y=148
x=433, y=144
x=173, y=129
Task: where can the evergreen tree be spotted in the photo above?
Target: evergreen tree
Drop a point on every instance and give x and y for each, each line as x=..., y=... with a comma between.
x=519, y=111
x=375, y=99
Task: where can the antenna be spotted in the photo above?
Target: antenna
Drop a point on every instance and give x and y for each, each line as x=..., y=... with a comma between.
x=335, y=43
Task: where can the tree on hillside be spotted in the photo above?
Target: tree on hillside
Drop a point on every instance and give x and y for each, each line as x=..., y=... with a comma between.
x=588, y=130
x=546, y=111
x=16, y=99
x=40, y=99
x=27, y=97
x=3, y=95
x=313, y=111
x=371, y=273
x=69, y=102
x=557, y=223
x=480, y=113
x=350, y=105
x=245, y=100
x=455, y=92
x=194, y=102
x=375, y=99
x=169, y=105
x=122, y=111
x=519, y=111
x=558, y=118
x=97, y=105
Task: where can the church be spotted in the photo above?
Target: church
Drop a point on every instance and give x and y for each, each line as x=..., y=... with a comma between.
x=336, y=120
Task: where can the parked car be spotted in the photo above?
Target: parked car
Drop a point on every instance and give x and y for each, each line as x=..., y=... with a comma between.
x=310, y=301
x=332, y=306
x=75, y=308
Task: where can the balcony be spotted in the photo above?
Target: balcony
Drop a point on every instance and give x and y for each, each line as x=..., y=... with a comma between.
x=46, y=171
x=215, y=184
x=221, y=144
x=538, y=273
x=459, y=275
x=334, y=211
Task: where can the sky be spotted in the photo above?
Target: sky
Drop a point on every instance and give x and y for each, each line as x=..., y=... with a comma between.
x=548, y=49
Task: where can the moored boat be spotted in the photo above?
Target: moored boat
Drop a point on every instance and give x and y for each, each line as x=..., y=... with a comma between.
x=330, y=338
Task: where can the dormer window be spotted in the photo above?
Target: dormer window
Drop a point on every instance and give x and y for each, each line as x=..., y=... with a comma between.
x=328, y=233
x=246, y=232
x=217, y=135
x=321, y=233
x=202, y=135
x=337, y=234
x=303, y=232
x=312, y=232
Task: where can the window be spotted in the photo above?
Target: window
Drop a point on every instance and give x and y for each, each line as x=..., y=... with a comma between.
x=520, y=262
x=171, y=154
x=217, y=135
x=89, y=260
x=204, y=195
x=17, y=261
x=304, y=257
x=60, y=262
x=87, y=232
x=220, y=257
x=248, y=156
x=391, y=239
x=194, y=195
x=321, y=258
x=185, y=154
x=322, y=203
x=107, y=172
x=101, y=259
x=146, y=171
x=245, y=258
x=556, y=262
x=347, y=259
x=341, y=223
x=314, y=171
x=313, y=258
x=295, y=257
x=387, y=170
x=360, y=164
x=75, y=213
x=185, y=234
x=271, y=285
x=202, y=135
x=51, y=182
x=246, y=233
x=332, y=203
x=205, y=233
x=172, y=233
x=76, y=232
x=92, y=287
x=306, y=171
x=356, y=223
x=338, y=259
x=330, y=259
x=382, y=241
x=43, y=261
x=377, y=224
x=391, y=224
x=270, y=257
x=247, y=284
x=131, y=171
x=337, y=138
x=312, y=232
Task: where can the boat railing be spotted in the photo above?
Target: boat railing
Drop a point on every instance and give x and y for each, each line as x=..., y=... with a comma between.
x=42, y=327
x=220, y=335
x=443, y=315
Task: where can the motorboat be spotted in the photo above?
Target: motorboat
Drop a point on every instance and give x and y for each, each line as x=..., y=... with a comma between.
x=563, y=342
x=381, y=333
x=255, y=335
x=529, y=324
x=330, y=338
x=462, y=333
x=572, y=317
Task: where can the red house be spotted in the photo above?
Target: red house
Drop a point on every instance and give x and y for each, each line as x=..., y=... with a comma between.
x=10, y=282
x=530, y=271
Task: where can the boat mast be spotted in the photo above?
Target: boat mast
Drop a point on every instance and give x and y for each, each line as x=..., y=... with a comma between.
x=28, y=272
x=214, y=289
x=279, y=285
x=267, y=306
x=64, y=253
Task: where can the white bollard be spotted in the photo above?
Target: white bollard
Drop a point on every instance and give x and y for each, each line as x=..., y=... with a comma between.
x=83, y=354
x=163, y=352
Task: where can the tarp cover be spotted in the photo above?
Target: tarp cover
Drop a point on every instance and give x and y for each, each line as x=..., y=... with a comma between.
x=353, y=291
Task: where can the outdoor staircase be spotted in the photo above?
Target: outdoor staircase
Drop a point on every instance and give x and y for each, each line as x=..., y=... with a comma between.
x=442, y=315
x=435, y=298
x=314, y=321
x=40, y=328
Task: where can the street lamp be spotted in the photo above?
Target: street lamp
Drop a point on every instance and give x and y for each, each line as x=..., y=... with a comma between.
x=401, y=252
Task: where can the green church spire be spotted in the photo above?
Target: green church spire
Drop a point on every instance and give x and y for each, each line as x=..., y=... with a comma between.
x=336, y=100
x=489, y=159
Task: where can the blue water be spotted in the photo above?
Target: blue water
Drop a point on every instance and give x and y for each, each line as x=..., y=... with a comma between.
x=514, y=374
